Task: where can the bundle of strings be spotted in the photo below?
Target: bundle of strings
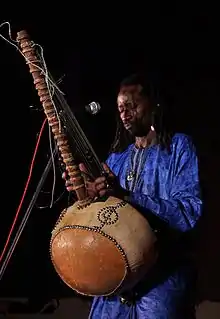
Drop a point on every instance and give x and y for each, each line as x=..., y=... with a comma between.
x=81, y=143
x=51, y=89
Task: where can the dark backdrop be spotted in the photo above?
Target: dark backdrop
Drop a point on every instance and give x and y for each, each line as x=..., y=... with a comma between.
x=177, y=48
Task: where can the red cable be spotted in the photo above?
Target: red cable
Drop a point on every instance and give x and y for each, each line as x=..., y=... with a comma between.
x=25, y=190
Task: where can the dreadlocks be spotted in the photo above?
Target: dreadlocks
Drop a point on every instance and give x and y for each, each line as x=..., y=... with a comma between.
x=123, y=137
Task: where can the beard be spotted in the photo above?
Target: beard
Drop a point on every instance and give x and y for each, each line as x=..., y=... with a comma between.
x=139, y=128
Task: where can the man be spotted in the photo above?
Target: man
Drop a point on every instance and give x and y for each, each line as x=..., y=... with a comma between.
x=158, y=174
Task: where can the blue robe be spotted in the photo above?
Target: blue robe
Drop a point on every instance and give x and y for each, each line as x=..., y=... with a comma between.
x=166, y=190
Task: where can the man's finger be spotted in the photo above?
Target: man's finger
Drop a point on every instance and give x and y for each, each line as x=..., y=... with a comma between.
x=85, y=173
x=69, y=186
x=100, y=180
x=107, y=169
x=102, y=193
x=83, y=168
x=64, y=175
x=68, y=183
x=101, y=186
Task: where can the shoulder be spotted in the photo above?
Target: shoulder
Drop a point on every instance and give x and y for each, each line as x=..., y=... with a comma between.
x=116, y=158
x=182, y=142
x=184, y=153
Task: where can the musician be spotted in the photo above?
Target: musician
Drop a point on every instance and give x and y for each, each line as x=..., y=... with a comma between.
x=157, y=172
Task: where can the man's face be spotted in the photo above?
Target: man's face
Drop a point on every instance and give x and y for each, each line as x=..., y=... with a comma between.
x=135, y=110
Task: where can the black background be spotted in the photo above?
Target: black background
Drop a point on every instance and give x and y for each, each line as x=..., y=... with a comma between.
x=176, y=45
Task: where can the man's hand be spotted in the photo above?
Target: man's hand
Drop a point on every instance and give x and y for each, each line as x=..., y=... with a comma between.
x=101, y=186
x=92, y=193
x=108, y=185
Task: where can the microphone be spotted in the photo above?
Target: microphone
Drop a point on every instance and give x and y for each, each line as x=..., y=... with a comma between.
x=93, y=108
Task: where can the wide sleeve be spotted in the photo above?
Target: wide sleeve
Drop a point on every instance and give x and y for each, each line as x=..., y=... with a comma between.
x=184, y=207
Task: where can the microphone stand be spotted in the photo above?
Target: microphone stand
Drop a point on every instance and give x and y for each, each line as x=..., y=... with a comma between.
x=27, y=214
